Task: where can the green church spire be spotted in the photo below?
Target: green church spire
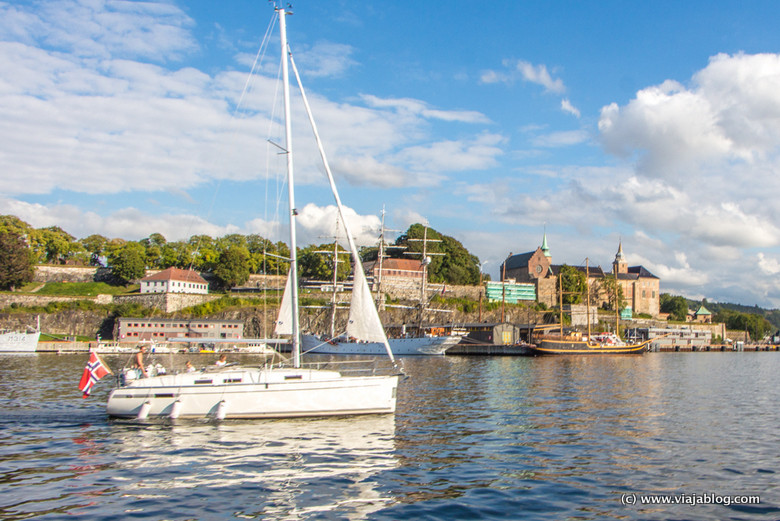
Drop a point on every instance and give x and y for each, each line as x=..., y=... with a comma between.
x=545, y=248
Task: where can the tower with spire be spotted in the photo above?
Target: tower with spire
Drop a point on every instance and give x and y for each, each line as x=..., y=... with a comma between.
x=619, y=265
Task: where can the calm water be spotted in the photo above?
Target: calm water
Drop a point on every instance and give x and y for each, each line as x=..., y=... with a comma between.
x=473, y=438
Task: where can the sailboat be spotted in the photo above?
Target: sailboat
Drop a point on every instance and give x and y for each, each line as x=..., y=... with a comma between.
x=275, y=390
x=405, y=345
x=547, y=342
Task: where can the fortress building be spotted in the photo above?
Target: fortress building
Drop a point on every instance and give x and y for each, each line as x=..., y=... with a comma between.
x=641, y=289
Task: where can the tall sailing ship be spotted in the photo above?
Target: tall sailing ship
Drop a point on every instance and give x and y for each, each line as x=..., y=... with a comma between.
x=547, y=341
x=416, y=342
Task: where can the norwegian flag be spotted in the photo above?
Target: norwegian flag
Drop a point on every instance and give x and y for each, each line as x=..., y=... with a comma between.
x=94, y=371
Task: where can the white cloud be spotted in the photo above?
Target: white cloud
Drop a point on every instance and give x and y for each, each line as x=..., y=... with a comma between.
x=681, y=273
x=318, y=225
x=106, y=123
x=728, y=225
x=729, y=114
x=125, y=223
x=367, y=170
x=566, y=106
x=538, y=74
x=419, y=108
x=561, y=139
x=768, y=265
x=325, y=59
x=525, y=71
x=148, y=30
x=705, y=158
x=475, y=154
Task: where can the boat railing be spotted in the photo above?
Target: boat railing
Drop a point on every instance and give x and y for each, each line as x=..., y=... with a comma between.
x=366, y=367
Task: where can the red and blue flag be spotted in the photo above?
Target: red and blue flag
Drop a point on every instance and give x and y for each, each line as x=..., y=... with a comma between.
x=94, y=371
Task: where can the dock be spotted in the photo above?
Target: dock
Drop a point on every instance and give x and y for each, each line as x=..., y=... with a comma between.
x=480, y=349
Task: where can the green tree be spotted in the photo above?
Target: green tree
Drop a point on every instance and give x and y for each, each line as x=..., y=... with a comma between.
x=676, y=306
x=205, y=253
x=609, y=288
x=272, y=259
x=458, y=266
x=179, y=254
x=572, y=284
x=232, y=267
x=153, y=246
x=319, y=266
x=54, y=245
x=95, y=245
x=14, y=225
x=127, y=263
x=17, y=264
x=755, y=325
x=234, y=239
x=455, y=266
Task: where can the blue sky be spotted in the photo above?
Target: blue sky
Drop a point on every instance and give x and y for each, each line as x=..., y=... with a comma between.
x=652, y=123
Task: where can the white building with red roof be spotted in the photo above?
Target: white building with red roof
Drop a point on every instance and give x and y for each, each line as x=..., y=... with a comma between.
x=175, y=280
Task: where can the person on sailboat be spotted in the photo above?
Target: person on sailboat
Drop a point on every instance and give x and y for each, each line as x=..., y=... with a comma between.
x=139, y=361
x=222, y=361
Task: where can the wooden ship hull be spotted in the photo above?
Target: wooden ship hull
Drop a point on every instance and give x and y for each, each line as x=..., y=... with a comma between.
x=551, y=345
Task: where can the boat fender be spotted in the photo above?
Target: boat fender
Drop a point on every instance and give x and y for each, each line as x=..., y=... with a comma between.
x=143, y=413
x=176, y=409
x=221, y=410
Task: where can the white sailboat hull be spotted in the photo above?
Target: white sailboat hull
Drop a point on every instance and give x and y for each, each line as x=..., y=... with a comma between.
x=254, y=393
x=16, y=342
x=436, y=345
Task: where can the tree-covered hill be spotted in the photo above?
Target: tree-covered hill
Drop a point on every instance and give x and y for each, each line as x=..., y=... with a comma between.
x=230, y=259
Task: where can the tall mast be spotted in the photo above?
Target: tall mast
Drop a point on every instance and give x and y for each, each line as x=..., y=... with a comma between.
x=296, y=331
x=380, y=302
x=587, y=293
x=335, y=282
x=617, y=301
x=359, y=276
x=425, y=256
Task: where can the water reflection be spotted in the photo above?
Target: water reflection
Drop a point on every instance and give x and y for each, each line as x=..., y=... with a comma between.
x=491, y=438
x=291, y=467
x=61, y=455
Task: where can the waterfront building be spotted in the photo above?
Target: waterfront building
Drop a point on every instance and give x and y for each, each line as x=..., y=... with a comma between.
x=641, y=289
x=175, y=280
x=683, y=338
x=159, y=329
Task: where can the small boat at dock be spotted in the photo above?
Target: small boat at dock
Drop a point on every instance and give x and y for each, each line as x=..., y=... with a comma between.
x=19, y=341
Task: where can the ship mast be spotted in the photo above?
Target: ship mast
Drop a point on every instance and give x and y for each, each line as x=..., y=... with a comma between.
x=296, y=330
x=587, y=293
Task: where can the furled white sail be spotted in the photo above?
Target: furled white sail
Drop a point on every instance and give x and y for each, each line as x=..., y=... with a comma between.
x=284, y=320
x=364, y=323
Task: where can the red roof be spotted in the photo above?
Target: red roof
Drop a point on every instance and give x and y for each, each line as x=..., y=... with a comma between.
x=402, y=264
x=176, y=274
